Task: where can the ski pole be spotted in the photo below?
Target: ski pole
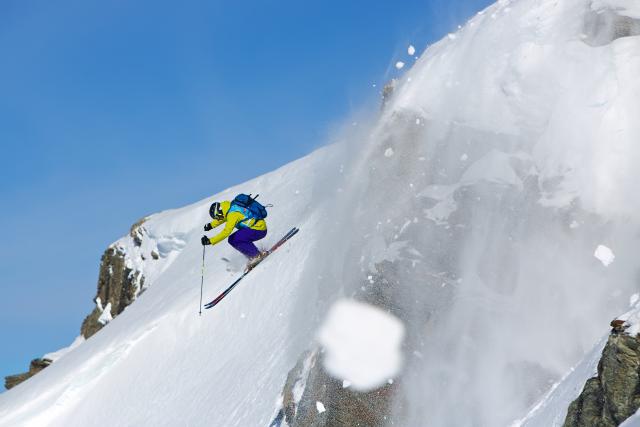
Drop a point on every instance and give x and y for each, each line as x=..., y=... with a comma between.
x=201, y=281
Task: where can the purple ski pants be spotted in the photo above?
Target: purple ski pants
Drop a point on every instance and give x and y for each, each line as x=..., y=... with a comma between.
x=243, y=240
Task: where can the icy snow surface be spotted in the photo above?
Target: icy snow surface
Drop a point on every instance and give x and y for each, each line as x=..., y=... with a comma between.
x=362, y=344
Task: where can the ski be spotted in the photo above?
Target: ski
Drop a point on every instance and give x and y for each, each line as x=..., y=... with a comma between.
x=280, y=242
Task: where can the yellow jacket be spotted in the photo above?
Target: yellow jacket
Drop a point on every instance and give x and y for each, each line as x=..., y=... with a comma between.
x=231, y=221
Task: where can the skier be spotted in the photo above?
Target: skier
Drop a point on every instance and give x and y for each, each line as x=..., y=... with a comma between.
x=245, y=214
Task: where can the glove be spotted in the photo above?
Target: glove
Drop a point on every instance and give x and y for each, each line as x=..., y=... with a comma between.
x=205, y=241
x=207, y=227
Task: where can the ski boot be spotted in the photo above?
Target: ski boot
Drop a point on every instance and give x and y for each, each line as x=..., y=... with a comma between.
x=256, y=260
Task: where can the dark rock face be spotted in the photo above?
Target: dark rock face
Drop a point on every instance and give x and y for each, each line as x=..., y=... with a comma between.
x=118, y=286
x=36, y=366
x=137, y=231
x=343, y=406
x=614, y=394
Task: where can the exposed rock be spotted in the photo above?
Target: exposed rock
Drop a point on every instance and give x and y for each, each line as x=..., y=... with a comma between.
x=614, y=394
x=155, y=254
x=344, y=406
x=118, y=286
x=36, y=366
x=309, y=383
x=387, y=92
x=137, y=231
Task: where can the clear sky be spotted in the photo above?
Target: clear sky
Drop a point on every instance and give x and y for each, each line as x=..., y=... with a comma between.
x=112, y=110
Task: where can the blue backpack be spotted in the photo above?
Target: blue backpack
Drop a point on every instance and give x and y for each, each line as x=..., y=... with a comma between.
x=247, y=205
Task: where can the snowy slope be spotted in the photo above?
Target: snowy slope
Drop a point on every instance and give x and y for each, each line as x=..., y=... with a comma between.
x=160, y=364
x=470, y=208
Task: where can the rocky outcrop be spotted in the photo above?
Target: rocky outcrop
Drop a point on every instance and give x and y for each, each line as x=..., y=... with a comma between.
x=36, y=366
x=614, y=394
x=137, y=231
x=313, y=398
x=118, y=286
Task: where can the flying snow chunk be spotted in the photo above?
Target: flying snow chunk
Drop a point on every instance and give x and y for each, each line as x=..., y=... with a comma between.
x=388, y=152
x=362, y=344
x=320, y=407
x=604, y=254
x=399, y=65
x=411, y=50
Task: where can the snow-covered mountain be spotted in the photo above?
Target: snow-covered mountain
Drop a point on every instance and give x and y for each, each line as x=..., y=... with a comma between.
x=470, y=209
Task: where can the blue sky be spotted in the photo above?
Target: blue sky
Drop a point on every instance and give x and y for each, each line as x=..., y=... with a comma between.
x=112, y=110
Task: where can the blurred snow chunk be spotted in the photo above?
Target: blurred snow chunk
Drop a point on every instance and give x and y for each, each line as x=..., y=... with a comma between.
x=362, y=344
x=388, y=152
x=411, y=50
x=634, y=299
x=345, y=384
x=320, y=407
x=399, y=65
x=604, y=254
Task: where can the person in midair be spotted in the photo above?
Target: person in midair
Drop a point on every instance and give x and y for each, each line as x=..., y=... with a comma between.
x=250, y=226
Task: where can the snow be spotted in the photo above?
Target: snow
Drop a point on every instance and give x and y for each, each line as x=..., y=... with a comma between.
x=604, y=255
x=399, y=65
x=53, y=356
x=548, y=124
x=632, y=421
x=411, y=50
x=106, y=316
x=320, y=407
x=621, y=7
x=495, y=167
x=362, y=344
